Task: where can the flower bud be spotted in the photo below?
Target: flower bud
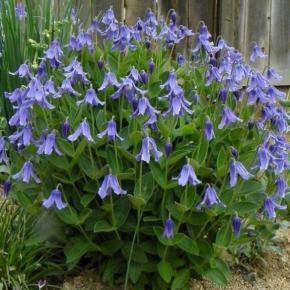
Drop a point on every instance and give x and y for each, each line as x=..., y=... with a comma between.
x=172, y=16
x=151, y=66
x=100, y=63
x=222, y=95
x=168, y=148
x=180, y=59
x=251, y=124
x=234, y=152
x=144, y=77
x=6, y=187
x=236, y=224
x=65, y=128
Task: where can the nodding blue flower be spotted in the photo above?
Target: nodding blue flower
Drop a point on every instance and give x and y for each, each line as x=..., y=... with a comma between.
x=74, y=16
x=183, y=31
x=6, y=187
x=100, y=63
x=26, y=173
x=110, y=182
x=172, y=16
x=256, y=52
x=110, y=131
x=168, y=148
x=74, y=72
x=272, y=74
x=91, y=98
x=64, y=128
x=23, y=71
x=234, y=152
x=66, y=88
x=21, y=117
x=20, y=11
x=22, y=138
x=228, y=118
x=236, y=224
x=54, y=198
x=222, y=95
x=178, y=105
x=237, y=168
x=109, y=79
x=144, y=106
x=202, y=41
x=180, y=59
x=82, y=129
x=148, y=146
x=49, y=87
x=143, y=77
x=84, y=39
x=48, y=145
x=208, y=129
x=134, y=74
x=150, y=18
x=210, y=198
x=212, y=74
x=127, y=88
x=151, y=66
x=17, y=96
x=239, y=72
x=168, y=229
x=257, y=79
x=54, y=54
x=263, y=158
x=269, y=207
x=109, y=17
x=281, y=186
x=187, y=176
x=3, y=155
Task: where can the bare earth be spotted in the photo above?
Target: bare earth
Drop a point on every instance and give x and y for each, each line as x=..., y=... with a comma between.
x=271, y=273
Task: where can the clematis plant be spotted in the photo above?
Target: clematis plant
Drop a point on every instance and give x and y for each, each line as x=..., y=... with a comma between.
x=161, y=161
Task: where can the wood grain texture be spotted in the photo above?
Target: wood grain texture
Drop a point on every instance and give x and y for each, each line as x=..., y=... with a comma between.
x=137, y=8
x=280, y=39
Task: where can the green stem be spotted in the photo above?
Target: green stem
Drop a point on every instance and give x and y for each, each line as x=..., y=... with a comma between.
x=113, y=216
x=116, y=155
x=131, y=250
x=164, y=192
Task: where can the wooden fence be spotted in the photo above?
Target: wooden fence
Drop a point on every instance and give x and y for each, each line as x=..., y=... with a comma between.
x=239, y=21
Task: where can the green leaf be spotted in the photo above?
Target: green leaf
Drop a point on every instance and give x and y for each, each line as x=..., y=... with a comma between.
x=87, y=199
x=121, y=210
x=188, y=245
x=59, y=162
x=245, y=207
x=167, y=242
x=68, y=215
x=136, y=201
x=75, y=250
x=224, y=234
x=66, y=147
x=103, y=226
x=135, y=271
x=138, y=254
x=158, y=174
x=201, y=152
x=165, y=270
x=222, y=163
x=181, y=279
x=216, y=276
x=86, y=166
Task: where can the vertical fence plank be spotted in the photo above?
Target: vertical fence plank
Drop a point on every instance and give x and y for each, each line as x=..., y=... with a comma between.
x=137, y=8
x=99, y=7
x=244, y=22
x=257, y=22
x=280, y=39
x=231, y=20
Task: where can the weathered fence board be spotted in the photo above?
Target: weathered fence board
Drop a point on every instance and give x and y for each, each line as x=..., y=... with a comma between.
x=280, y=38
x=241, y=22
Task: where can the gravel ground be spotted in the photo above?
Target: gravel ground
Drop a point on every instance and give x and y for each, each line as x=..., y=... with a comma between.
x=271, y=273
